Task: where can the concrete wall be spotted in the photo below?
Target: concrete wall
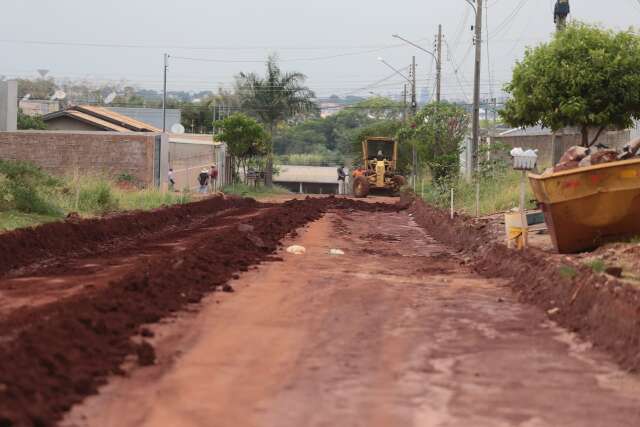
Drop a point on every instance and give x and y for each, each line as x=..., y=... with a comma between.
x=542, y=143
x=99, y=153
x=8, y=106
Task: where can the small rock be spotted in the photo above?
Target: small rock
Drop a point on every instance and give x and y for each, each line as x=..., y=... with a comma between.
x=296, y=250
x=3, y=388
x=227, y=288
x=146, y=354
x=336, y=252
x=614, y=271
x=553, y=311
x=500, y=299
x=245, y=228
x=147, y=333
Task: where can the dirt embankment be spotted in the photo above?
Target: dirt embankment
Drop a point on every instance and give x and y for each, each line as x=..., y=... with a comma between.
x=596, y=306
x=66, y=238
x=52, y=356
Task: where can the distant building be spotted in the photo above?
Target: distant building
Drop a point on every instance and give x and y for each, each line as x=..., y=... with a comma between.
x=153, y=116
x=308, y=179
x=90, y=118
x=37, y=107
x=329, y=108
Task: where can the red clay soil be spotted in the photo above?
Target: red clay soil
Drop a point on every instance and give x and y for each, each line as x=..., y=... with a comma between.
x=28, y=245
x=54, y=355
x=598, y=307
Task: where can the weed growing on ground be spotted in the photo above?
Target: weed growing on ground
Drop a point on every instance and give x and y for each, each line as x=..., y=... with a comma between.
x=597, y=265
x=567, y=272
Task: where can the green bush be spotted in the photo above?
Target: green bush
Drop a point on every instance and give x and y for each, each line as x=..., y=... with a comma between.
x=96, y=196
x=25, y=187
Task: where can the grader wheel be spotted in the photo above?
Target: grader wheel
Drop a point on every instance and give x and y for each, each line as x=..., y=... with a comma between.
x=360, y=186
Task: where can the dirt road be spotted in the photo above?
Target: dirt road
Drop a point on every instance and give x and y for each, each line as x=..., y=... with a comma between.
x=396, y=332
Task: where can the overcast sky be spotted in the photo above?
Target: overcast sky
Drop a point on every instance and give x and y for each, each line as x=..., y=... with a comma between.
x=336, y=43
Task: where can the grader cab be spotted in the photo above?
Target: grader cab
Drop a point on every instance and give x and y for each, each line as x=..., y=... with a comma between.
x=380, y=158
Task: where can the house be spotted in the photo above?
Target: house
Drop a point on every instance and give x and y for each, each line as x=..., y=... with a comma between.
x=90, y=118
x=308, y=179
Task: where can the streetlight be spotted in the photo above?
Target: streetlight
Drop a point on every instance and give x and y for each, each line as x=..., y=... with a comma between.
x=438, y=64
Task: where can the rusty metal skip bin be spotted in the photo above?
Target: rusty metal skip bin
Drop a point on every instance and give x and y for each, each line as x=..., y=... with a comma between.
x=588, y=206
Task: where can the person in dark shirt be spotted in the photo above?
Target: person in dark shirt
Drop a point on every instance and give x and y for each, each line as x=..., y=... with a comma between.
x=203, y=180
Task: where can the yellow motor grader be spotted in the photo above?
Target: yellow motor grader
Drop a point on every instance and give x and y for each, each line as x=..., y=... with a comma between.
x=380, y=157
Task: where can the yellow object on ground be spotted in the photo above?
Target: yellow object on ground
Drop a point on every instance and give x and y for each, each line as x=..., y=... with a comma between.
x=588, y=206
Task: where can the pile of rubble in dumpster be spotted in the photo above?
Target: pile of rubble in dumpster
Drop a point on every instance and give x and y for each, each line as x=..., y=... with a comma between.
x=579, y=157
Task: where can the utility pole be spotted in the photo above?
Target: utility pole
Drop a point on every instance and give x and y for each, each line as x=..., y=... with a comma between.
x=439, y=64
x=404, y=103
x=560, y=13
x=414, y=101
x=414, y=110
x=475, y=138
x=164, y=94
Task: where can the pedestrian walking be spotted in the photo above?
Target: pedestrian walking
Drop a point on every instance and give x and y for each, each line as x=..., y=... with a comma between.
x=203, y=180
x=213, y=178
x=172, y=180
x=342, y=176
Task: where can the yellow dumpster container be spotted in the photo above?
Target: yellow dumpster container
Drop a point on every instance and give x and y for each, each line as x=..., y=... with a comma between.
x=586, y=207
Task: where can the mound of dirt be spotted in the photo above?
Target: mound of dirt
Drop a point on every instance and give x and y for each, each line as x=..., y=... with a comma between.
x=54, y=355
x=27, y=245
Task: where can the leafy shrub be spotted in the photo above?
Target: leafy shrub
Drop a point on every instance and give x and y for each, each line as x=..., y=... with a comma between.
x=97, y=196
x=25, y=187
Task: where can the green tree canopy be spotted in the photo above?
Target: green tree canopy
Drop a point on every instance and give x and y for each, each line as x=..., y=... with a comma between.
x=586, y=77
x=275, y=98
x=439, y=132
x=244, y=136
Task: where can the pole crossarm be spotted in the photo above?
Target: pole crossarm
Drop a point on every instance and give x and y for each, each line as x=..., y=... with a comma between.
x=417, y=47
x=398, y=72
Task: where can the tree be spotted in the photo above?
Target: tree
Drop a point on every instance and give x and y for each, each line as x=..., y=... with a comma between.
x=585, y=77
x=274, y=99
x=449, y=123
x=26, y=122
x=36, y=89
x=245, y=138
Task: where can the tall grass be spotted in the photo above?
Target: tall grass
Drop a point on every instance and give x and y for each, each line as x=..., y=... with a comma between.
x=29, y=196
x=250, y=191
x=497, y=194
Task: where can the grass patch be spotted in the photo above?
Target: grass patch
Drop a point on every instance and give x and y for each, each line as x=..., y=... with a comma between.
x=29, y=196
x=12, y=219
x=149, y=199
x=250, y=191
x=567, y=272
x=497, y=194
x=597, y=265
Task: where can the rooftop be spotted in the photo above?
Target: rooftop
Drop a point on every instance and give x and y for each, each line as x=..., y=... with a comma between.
x=103, y=118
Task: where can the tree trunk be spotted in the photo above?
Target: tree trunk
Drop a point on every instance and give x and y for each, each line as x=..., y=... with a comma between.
x=585, y=136
x=268, y=173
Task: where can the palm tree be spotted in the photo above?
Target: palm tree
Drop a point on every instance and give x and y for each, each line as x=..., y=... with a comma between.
x=274, y=99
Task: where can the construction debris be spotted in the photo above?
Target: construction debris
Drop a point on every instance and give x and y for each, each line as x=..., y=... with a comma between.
x=579, y=157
